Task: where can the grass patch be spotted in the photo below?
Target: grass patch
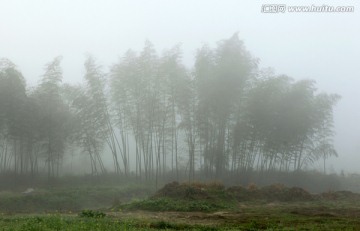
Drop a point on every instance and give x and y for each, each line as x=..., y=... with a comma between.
x=74, y=199
x=92, y=214
x=186, y=198
x=61, y=222
x=256, y=218
x=195, y=206
x=57, y=222
x=170, y=204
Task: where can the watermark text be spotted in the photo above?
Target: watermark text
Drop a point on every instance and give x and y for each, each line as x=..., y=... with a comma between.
x=282, y=8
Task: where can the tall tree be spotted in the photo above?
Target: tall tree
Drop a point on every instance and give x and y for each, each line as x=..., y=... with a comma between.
x=53, y=116
x=230, y=68
x=12, y=116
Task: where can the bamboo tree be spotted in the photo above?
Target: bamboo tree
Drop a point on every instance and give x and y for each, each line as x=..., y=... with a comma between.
x=53, y=118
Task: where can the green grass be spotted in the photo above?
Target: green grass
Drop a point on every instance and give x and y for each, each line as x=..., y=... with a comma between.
x=70, y=199
x=253, y=218
x=57, y=222
x=92, y=214
x=185, y=198
x=180, y=207
x=61, y=222
x=169, y=204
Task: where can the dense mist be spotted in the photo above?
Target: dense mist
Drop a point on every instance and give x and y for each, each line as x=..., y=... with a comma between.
x=197, y=77
x=157, y=117
x=179, y=115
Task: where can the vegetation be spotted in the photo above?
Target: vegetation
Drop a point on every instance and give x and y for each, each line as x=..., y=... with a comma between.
x=84, y=204
x=273, y=219
x=214, y=197
x=224, y=116
x=199, y=206
x=185, y=197
x=158, y=120
x=92, y=214
x=70, y=198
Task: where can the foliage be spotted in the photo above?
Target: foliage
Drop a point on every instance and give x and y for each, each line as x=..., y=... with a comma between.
x=92, y=214
x=281, y=217
x=70, y=198
x=222, y=116
x=182, y=205
x=326, y=211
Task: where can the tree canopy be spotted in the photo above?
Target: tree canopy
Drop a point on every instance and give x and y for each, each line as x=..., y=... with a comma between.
x=154, y=116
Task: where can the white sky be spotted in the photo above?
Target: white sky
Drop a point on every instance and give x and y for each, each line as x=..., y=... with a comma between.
x=320, y=46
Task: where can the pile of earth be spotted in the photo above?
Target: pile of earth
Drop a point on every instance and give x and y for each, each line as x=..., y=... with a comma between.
x=193, y=191
x=275, y=192
x=200, y=191
x=339, y=195
x=192, y=197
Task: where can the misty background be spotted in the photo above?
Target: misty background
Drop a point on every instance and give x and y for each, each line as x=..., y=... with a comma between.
x=320, y=46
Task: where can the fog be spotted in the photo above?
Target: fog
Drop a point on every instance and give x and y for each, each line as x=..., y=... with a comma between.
x=322, y=46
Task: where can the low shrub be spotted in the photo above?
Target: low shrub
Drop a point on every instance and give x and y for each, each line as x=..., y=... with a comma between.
x=92, y=214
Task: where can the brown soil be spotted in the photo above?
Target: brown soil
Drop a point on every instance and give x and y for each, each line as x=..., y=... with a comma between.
x=273, y=202
x=183, y=191
x=276, y=192
x=196, y=190
x=327, y=212
x=272, y=193
x=340, y=195
x=245, y=215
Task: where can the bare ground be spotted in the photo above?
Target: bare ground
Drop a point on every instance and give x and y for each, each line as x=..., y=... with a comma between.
x=281, y=212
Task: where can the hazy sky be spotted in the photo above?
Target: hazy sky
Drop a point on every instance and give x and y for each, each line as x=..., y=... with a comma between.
x=320, y=46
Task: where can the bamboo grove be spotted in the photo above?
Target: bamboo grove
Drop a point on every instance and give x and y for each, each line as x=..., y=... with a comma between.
x=153, y=116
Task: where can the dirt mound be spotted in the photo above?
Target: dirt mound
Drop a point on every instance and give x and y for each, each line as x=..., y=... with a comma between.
x=299, y=194
x=276, y=192
x=244, y=194
x=281, y=193
x=198, y=191
x=339, y=195
x=183, y=191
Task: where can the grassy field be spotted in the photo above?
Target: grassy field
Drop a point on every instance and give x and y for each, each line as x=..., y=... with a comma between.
x=178, y=207
x=247, y=217
x=65, y=199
